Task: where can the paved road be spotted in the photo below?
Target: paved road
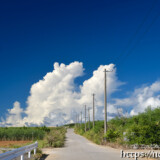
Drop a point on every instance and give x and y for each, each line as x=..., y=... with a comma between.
x=79, y=148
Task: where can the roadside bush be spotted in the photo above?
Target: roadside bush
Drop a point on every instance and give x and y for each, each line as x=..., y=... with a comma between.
x=143, y=128
x=56, y=137
x=112, y=135
x=38, y=154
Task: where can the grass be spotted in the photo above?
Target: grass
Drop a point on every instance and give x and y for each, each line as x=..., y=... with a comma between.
x=96, y=135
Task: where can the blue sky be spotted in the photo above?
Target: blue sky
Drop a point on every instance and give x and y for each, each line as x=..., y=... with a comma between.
x=35, y=34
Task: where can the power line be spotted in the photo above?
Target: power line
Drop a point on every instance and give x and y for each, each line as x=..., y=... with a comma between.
x=141, y=37
x=135, y=34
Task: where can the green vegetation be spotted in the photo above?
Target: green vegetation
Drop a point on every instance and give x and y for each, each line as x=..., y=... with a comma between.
x=23, y=133
x=95, y=135
x=38, y=154
x=141, y=129
x=46, y=136
x=71, y=125
x=56, y=137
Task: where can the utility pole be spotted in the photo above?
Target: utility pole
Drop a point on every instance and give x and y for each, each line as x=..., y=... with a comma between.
x=93, y=110
x=81, y=118
x=105, y=103
x=78, y=119
x=85, y=118
x=88, y=118
x=105, y=100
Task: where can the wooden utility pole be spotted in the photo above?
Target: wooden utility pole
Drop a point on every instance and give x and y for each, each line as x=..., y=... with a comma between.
x=93, y=111
x=105, y=103
x=88, y=118
x=81, y=118
x=85, y=118
x=78, y=119
x=105, y=100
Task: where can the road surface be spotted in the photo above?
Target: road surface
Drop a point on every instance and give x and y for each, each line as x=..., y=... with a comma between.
x=79, y=148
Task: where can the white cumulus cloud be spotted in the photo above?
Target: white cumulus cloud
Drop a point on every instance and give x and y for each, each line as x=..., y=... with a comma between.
x=55, y=99
x=141, y=98
x=14, y=116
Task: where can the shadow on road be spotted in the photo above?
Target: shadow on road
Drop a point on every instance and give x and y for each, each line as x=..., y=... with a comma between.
x=44, y=156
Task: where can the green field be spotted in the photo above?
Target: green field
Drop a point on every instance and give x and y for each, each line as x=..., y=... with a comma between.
x=46, y=136
x=22, y=133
